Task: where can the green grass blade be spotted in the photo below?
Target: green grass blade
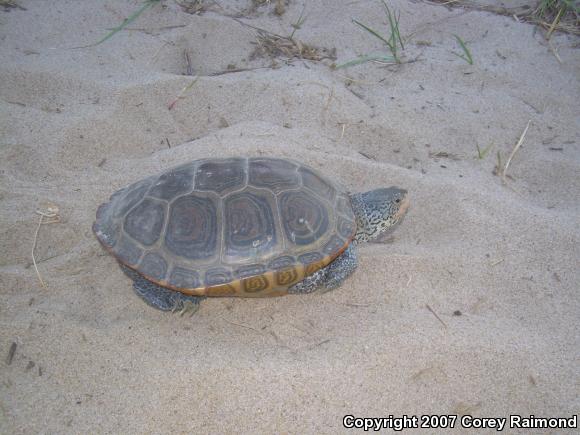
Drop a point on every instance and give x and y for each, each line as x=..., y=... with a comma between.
x=394, y=25
x=467, y=58
x=298, y=24
x=371, y=31
x=147, y=4
x=364, y=59
x=481, y=153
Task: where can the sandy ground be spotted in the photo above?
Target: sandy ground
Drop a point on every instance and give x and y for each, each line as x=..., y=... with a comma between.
x=472, y=307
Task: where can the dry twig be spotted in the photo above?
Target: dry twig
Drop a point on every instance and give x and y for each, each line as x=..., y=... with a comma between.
x=518, y=145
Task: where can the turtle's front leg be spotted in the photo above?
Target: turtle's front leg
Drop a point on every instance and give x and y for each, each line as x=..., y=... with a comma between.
x=341, y=268
x=331, y=276
x=310, y=283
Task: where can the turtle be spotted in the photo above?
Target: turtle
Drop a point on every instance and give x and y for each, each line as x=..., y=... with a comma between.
x=248, y=227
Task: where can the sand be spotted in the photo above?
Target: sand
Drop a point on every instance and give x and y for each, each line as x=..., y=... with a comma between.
x=471, y=308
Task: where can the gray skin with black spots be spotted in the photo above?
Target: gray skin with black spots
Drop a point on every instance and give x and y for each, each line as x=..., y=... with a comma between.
x=160, y=297
x=377, y=212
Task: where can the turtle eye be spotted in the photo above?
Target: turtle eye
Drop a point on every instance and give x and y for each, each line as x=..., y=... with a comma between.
x=398, y=200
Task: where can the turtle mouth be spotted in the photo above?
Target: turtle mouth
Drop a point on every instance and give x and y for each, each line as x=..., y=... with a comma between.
x=403, y=207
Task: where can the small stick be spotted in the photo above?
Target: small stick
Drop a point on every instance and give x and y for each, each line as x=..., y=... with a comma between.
x=554, y=23
x=352, y=304
x=366, y=155
x=242, y=326
x=435, y=314
x=237, y=70
x=189, y=70
x=554, y=52
x=11, y=353
x=181, y=94
x=518, y=144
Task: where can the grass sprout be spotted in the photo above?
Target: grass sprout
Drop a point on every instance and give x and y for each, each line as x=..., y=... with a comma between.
x=481, y=153
x=146, y=5
x=466, y=56
x=298, y=24
x=393, y=41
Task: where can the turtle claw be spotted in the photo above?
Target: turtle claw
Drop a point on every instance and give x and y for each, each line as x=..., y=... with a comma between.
x=187, y=306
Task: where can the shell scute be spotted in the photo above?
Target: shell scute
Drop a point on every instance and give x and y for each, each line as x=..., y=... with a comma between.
x=275, y=175
x=249, y=226
x=174, y=183
x=192, y=227
x=184, y=278
x=145, y=221
x=221, y=175
x=155, y=265
x=305, y=219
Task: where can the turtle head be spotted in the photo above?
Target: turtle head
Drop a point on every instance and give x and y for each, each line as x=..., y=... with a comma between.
x=378, y=211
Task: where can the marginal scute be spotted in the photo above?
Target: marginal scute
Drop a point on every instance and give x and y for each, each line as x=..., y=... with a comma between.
x=105, y=226
x=282, y=262
x=305, y=219
x=273, y=174
x=145, y=222
x=250, y=270
x=217, y=275
x=192, y=229
x=184, y=278
x=313, y=261
x=130, y=197
x=310, y=257
x=155, y=265
x=221, y=176
x=127, y=251
x=345, y=228
x=316, y=184
x=173, y=183
x=334, y=245
x=221, y=290
x=255, y=284
x=344, y=206
x=103, y=211
x=249, y=228
x=286, y=277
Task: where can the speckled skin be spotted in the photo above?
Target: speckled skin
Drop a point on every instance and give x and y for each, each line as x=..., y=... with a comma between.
x=331, y=276
x=377, y=212
x=160, y=297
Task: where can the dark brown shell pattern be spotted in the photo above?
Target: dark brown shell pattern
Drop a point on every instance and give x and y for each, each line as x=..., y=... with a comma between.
x=228, y=227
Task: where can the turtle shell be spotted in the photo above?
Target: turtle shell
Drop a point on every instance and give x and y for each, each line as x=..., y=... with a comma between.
x=228, y=227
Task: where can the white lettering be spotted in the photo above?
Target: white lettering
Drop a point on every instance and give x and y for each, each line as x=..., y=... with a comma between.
x=468, y=421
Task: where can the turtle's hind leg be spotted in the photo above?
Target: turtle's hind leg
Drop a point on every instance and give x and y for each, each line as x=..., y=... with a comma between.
x=160, y=297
